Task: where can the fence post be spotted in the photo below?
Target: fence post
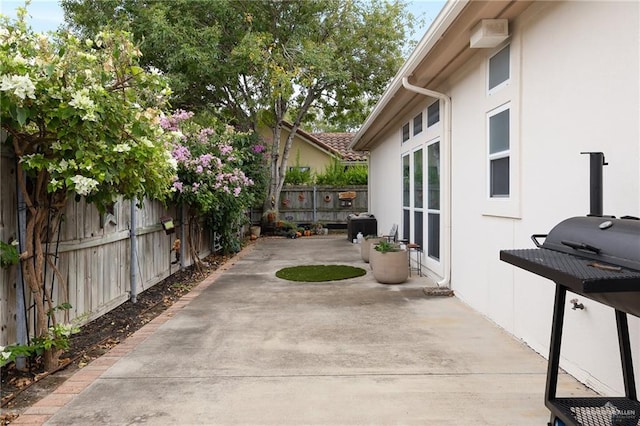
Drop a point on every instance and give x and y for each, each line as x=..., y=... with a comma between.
x=134, y=248
x=21, y=317
x=183, y=240
x=315, y=204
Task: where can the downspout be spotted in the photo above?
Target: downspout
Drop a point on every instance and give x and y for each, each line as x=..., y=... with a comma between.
x=133, y=296
x=446, y=202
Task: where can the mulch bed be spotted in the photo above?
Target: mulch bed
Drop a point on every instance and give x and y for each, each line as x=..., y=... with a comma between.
x=19, y=390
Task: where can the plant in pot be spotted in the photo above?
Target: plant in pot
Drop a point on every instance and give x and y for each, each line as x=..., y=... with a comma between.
x=365, y=247
x=389, y=262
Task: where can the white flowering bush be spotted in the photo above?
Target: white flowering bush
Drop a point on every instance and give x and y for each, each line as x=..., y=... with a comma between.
x=55, y=339
x=83, y=119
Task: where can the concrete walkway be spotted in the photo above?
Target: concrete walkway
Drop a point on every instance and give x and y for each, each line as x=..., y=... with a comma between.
x=246, y=348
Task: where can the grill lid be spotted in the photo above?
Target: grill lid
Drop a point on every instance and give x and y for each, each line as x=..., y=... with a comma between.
x=614, y=241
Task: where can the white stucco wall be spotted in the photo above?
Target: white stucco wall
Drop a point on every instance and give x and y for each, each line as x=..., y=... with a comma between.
x=574, y=87
x=385, y=193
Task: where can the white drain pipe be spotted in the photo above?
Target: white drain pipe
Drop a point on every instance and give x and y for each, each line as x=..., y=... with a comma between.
x=446, y=198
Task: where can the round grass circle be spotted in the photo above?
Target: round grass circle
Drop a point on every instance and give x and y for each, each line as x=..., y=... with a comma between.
x=317, y=273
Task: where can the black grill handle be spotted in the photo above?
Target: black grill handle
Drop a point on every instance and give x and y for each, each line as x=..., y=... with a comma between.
x=535, y=237
x=581, y=246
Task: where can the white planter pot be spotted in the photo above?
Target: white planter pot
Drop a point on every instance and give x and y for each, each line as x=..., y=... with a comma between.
x=390, y=267
x=365, y=247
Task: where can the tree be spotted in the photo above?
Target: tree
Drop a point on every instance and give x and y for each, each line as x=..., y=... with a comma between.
x=336, y=56
x=83, y=119
x=189, y=40
x=268, y=61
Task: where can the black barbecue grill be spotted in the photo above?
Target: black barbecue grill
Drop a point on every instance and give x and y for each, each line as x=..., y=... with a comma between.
x=598, y=258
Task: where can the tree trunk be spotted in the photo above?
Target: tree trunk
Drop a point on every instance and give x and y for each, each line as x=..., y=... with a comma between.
x=193, y=228
x=33, y=258
x=273, y=195
x=279, y=168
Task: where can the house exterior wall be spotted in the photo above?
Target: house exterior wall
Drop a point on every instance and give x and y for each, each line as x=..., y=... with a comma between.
x=307, y=154
x=573, y=88
x=385, y=194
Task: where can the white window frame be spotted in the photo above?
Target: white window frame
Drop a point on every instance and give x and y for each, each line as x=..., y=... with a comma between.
x=437, y=102
x=431, y=262
x=505, y=95
x=505, y=83
x=402, y=139
x=413, y=123
x=500, y=154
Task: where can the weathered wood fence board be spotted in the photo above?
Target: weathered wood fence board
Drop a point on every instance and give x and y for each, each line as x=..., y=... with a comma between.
x=92, y=255
x=8, y=227
x=308, y=204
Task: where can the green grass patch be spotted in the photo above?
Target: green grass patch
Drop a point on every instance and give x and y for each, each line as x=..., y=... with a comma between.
x=317, y=273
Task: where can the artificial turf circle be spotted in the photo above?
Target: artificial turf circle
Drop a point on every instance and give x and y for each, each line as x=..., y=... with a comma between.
x=317, y=273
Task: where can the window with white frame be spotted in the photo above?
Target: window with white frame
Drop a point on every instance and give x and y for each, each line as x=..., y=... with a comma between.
x=413, y=196
x=405, y=132
x=417, y=124
x=433, y=113
x=499, y=142
x=418, y=198
x=433, y=200
x=499, y=68
x=406, y=195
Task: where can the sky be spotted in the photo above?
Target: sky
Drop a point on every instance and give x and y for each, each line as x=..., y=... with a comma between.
x=47, y=14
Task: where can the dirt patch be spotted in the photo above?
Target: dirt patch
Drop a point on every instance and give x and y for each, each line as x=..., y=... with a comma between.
x=20, y=390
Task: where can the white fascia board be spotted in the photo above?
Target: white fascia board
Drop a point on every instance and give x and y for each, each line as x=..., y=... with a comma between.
x=445, y=18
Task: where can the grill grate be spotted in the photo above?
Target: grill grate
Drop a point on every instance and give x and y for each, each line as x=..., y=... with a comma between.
x=577, y=272
x=599, y=411
x=577, y=266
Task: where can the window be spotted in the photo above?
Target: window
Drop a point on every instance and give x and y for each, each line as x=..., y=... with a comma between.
x=406, y=195
x=413, y=198
x=405, y=133
x=499, y=152
x=301, y=169
x=502, y=145
x=433, y=201
x=417, y=124
x=499, y=70
x=417, y=179
x=405, y=181
x=433, y=113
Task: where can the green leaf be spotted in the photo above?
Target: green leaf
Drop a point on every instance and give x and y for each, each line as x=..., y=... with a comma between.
x=22, y=115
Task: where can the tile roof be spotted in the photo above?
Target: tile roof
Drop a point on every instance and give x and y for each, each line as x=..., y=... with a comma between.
x=340, y=142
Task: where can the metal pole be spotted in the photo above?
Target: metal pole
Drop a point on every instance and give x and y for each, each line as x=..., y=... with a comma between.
x=134, y=248
x=555, y=344
x=21, y=317
x=625, y=355
x=183, y=240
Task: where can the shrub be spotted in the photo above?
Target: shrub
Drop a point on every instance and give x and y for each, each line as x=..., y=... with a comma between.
x=337, y=174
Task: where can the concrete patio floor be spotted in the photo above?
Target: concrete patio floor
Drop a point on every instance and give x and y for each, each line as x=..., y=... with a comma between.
x=247, y=348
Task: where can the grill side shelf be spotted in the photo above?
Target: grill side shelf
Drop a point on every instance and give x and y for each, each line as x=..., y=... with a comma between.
x=581, y=275
x=596, y=411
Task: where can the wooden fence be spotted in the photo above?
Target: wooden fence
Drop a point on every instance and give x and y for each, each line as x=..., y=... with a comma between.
x=93, y=254
x=328, y=205
x=93, y=251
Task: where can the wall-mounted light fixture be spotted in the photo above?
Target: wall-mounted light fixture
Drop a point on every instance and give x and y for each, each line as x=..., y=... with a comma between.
x=167, y=225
